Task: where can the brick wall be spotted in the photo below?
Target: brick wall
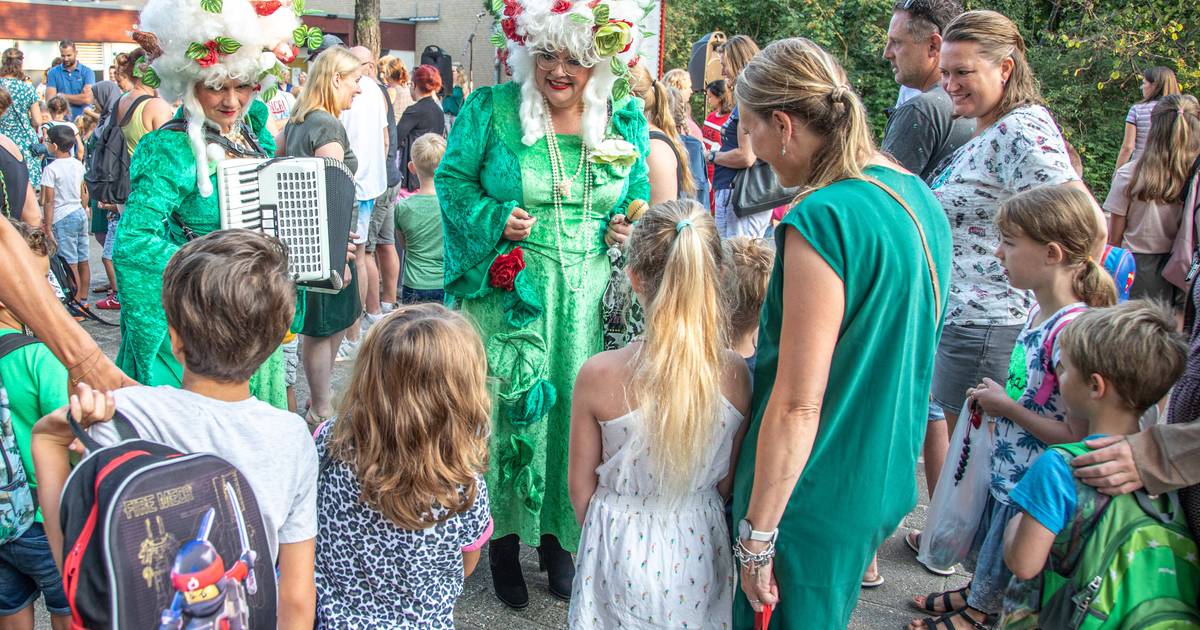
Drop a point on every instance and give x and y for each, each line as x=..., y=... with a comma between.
x=456, y=22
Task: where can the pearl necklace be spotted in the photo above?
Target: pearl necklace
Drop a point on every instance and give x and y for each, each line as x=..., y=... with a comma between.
x=560, y=188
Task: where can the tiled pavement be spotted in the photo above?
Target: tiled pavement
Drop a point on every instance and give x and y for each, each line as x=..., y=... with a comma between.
x=478, y=609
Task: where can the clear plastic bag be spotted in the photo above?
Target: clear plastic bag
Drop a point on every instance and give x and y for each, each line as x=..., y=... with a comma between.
x=961, y=494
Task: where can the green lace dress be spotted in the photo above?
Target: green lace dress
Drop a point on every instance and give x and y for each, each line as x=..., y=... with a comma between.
x=540, y=332
x=163, y=181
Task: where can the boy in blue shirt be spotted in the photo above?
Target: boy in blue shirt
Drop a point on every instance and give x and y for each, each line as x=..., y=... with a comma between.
x=1114, y=364
x=36, y=383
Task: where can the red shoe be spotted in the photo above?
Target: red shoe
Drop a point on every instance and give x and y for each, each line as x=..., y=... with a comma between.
x=110, y=303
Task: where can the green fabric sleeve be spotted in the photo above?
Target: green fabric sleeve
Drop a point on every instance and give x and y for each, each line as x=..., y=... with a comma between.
x=258, y=116
x=162, y=174
x=473, y=222
x=630, y=123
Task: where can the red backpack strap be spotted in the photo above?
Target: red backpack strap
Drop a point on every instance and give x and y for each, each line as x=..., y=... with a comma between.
x=1049, y=378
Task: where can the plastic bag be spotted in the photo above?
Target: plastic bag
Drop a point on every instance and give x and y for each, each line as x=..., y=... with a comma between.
x=961, y=494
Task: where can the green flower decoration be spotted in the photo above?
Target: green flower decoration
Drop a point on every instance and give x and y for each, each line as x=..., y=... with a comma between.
x=518, y=360
x=621, y=89
x=535, y=404
x=516, y=467
x=522, y=305
x=309, y=37
x=227, y=45
x=211, y=6
x=613, y=37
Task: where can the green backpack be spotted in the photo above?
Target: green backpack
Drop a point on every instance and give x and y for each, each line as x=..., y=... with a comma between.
x=1122, y=562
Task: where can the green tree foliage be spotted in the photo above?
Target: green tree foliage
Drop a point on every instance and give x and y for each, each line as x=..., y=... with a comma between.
x=1087, y=54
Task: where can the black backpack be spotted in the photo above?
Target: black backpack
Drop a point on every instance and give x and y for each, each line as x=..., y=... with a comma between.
x=143, y=523
x=108, y=162
x=61, y=270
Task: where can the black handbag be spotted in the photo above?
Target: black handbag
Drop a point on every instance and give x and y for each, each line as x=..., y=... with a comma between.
x=756, y=189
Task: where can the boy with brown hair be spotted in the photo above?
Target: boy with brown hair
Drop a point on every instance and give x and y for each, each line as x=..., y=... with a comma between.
x=419, y=226
x=36, y=383
x=228, y=302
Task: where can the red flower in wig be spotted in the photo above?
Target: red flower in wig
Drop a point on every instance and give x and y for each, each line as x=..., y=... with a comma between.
x=211, y=57
x=561, y=6
x=503, y=272
x=512, y=9
x=510, y=30
x=266, y=7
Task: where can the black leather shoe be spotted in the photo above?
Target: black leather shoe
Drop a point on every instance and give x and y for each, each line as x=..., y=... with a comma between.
x=507, y=579
x=558, y=565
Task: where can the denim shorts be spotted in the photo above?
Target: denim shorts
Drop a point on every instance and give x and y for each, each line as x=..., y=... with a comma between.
x=71, y=234
x=416, y=296
x=111, y=239
x=967, y=354
x=986, y=560
x=26, y=570
x=362, y=225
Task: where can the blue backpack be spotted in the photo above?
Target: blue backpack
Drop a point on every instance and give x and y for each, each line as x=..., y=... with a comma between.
x=1119, y=264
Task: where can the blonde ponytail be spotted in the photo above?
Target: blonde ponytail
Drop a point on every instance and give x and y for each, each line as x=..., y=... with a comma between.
x=1065, y=215
x=676, y=256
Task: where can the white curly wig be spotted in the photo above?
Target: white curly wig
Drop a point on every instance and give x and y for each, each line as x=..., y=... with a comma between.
x=542, y=29
x=176, y=25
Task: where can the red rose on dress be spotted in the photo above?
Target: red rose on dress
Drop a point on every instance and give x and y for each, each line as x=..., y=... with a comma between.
x=503, y=272
x=510, y=30
x=560, y=6
x=211, y=57
x=266, y=7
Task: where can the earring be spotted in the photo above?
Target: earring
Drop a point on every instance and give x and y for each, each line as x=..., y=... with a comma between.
x=783, y=150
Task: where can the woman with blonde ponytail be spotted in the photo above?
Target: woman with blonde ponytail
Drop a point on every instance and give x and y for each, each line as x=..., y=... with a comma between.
x=670, y=174
x=1047, y=236
x=1146, y=199
x=653, y=441
x=845, y=347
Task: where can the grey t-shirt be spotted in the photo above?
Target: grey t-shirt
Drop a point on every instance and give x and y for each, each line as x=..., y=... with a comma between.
x=271, y=447
x=923, y=131
x=318, y=129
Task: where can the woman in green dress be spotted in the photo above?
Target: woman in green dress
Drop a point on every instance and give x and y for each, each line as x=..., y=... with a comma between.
x=172, y=172
x=534, y=186
x=845, y=352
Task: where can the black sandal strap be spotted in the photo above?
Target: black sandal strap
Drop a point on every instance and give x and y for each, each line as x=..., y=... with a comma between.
x=974, y=624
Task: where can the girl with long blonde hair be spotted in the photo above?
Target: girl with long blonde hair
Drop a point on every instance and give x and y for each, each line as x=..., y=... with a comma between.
x=670, y=174
x=653, y=440
x=401, y=482
x=1146, y=199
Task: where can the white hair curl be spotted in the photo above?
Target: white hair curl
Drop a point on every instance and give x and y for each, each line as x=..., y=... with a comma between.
x=543, y=29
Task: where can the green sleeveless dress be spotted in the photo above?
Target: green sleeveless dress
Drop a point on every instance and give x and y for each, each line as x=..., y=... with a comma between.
x=859, y=481
x=539, y=333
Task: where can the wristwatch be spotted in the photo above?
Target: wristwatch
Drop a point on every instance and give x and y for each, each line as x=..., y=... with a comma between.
x=746, y=532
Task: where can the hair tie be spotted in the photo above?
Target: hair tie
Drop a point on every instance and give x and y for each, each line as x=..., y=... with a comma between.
x=682, y=224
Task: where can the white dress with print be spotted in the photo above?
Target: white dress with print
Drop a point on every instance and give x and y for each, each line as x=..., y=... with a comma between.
x=644, y=560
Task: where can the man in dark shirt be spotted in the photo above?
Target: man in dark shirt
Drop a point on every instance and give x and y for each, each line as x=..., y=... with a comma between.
x=71, y=79
x=923, y=131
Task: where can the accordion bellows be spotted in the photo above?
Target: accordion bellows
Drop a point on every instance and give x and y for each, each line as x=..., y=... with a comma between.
x=306, y=202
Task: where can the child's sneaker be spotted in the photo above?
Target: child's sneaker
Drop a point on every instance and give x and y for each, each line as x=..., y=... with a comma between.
x=387, y=307
x=369, y=320
x=347, y=351
x=110, y=303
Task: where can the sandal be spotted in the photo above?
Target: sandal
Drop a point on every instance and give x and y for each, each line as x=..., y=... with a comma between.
x=946, y=621
x=944, y=596
x=913, y=540
x=875, y=583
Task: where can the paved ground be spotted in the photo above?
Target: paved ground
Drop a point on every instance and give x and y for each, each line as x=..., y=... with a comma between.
x=478, y=609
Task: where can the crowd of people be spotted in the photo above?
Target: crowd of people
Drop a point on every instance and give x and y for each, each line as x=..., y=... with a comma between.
x=581, y=321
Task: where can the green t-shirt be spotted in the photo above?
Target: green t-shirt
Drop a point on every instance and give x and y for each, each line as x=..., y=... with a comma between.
x=36, y=383
x=419, y=219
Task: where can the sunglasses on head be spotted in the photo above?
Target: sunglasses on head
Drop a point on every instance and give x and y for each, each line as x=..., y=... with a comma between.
x=921, y=8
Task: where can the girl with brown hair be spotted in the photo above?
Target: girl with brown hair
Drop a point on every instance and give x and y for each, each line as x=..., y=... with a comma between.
x=733, y=156
x=1157, y=83
x=670, y=175
x=1146, y=199
x=401, y=482
x=809, y=514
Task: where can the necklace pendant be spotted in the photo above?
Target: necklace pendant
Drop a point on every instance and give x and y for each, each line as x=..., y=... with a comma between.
x=564, y=189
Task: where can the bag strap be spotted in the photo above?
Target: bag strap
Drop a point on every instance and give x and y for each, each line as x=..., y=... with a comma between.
x=1079, y=530
x=132, y=108
x=1049, y=376
x=122, y=424
x=14, y=342
x=933, y=274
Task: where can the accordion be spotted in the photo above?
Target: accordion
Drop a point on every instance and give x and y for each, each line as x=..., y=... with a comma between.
x=308, y=203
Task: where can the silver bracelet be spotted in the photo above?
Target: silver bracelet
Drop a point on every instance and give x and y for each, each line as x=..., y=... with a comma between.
x=751, y=560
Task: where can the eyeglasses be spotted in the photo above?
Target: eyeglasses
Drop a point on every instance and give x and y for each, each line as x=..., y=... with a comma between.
x=922, y=9
x=548, y=61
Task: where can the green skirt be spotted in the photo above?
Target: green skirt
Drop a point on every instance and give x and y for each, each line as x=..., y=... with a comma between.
x=329, y=313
